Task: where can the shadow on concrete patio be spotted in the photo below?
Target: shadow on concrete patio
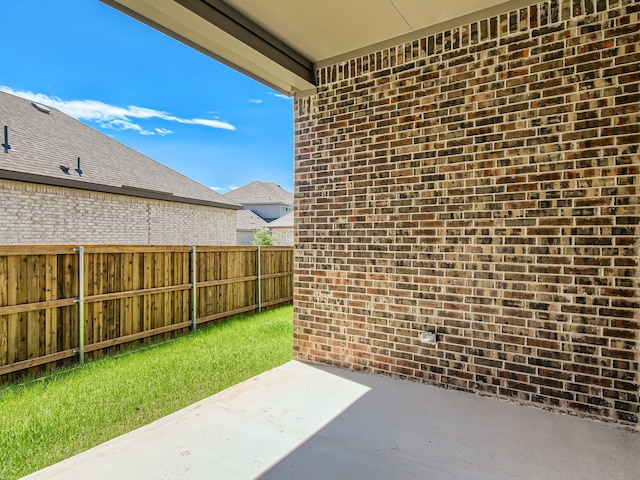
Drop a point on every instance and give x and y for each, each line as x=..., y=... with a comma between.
x=404, y=430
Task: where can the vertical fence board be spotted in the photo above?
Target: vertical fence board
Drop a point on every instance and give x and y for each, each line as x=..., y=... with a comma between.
x=32, y=294
x=184, y=303
x=99, y=307
x=23, y=318
x=4, y=321
x=92, y=278
x=50, y=291
x=176, y=266
x=13, y=273
x=157, y=298
x=92, y=262
x=203, y=305
x=4, y=285
x=147, y=284
x=39, y=317
x=233, y=297
x=235, y=258
x=121, y=303
x=222, y=288
x=71, y=289
x=136, y=301
x=125, y=303
x=112, y=312
x=167, y=281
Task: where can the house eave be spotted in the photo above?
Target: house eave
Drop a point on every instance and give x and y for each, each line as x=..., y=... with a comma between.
x=93, y=187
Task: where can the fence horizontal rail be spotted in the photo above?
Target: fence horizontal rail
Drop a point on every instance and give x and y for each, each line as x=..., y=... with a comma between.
x=133, y=293
x=32, y=307
x=34, y=362
x=211, y=283
x=129, y=294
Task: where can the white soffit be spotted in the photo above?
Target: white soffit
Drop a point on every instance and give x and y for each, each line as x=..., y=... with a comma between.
x=325, y=29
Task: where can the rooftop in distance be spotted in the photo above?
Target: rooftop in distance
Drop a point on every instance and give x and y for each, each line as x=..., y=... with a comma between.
x=258, y=192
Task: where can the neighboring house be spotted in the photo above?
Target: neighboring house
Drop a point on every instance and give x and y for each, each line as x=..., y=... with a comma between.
x=62, y=181
x=265, y=199
x=248, y=224
x=271, y=203
x=282, y=229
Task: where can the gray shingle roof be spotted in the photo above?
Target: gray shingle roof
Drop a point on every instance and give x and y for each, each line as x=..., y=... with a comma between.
x=258, y=192
x=41, y=142
x=285, y=221
x=247, y=220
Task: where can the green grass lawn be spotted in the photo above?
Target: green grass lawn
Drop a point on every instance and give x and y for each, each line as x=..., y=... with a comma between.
x=47, y=420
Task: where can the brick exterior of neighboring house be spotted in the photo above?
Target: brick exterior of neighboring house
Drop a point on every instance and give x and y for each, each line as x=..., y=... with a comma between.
x=122, y=196
x=481, y=183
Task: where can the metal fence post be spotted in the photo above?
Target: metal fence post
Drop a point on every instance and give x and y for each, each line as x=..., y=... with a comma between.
x=80, y=301
x=194, y=311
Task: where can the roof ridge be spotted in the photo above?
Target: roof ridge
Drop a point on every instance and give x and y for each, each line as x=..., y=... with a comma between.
x=259, y=192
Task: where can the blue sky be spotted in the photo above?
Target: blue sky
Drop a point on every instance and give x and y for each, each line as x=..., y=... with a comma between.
x=147, y=91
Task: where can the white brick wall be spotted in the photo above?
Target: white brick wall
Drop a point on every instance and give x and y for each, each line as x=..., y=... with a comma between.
x=42, y=214
x=181, y=223
x=283, y=236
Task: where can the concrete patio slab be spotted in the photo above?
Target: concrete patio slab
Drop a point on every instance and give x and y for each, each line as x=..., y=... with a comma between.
x=303, y=421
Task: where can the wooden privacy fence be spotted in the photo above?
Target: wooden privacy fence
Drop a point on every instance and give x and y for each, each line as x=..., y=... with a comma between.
x=62, y=304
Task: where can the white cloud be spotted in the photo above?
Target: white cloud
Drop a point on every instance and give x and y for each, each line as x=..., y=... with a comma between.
x=255, y=100
x=280, y=95
x=118, y=124
x=114, y=117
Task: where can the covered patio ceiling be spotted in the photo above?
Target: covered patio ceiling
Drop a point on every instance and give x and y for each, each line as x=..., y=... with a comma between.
x=282, y=42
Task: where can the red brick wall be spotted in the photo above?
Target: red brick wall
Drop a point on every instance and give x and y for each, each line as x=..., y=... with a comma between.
x=482, y=183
